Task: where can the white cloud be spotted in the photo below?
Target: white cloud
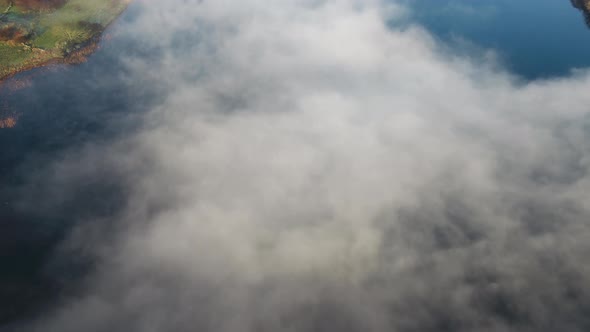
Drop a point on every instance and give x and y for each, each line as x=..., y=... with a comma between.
x=312, y=169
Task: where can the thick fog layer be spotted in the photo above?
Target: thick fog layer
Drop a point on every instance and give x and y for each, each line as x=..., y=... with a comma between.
x=319, y=166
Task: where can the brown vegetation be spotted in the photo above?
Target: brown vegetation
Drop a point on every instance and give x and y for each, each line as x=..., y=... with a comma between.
x=39, y=4
x=13, y=33
x=9, y=122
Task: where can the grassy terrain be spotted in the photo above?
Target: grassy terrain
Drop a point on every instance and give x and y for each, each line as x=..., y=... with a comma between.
x=13, y=55
x=35, y=32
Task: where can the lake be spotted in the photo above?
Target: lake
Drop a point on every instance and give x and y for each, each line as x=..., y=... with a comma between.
x=533, y=38
x=64, y=108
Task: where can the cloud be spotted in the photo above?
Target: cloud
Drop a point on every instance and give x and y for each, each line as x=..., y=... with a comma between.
x=312, y=169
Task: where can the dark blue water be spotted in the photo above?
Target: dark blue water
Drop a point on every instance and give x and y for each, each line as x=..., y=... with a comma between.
x=533, y=38
x=62, y=109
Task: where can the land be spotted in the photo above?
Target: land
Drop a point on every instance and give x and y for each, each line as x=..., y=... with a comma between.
x=35, y=33
x=581, y=4
x=584, y=7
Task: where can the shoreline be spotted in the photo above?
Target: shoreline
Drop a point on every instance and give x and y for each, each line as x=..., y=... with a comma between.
x=75, y=57
x=8, y=81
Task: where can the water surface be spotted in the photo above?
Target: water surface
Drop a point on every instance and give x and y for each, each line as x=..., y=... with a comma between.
x=532, y=38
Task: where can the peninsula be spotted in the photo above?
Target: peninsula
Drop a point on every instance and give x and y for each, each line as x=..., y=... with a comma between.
x=35, y=33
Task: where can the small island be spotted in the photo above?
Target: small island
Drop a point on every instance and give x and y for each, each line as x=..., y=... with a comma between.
x=35, y=33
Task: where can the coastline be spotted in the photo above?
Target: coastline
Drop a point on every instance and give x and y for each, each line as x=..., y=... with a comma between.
x=77, y=56
x=9, y=119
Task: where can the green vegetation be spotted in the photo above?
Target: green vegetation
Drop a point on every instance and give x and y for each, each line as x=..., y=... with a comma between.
x=36, y=32
x=13, y=55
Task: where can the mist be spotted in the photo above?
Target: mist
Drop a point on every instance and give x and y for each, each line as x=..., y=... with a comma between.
x=328, y=166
